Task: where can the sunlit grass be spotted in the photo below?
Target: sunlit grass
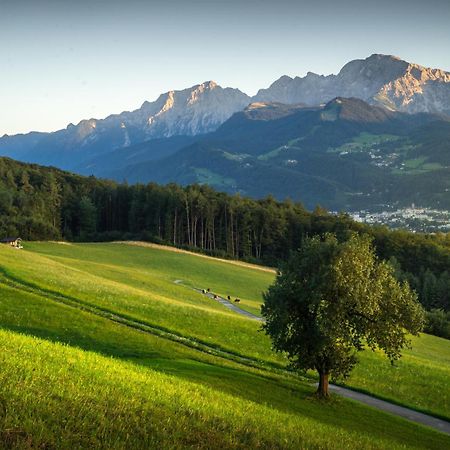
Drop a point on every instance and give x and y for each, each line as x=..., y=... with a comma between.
x=157, y=300
x=421, y=378
x=60, y=397
x=139, y=282
x=221, y=277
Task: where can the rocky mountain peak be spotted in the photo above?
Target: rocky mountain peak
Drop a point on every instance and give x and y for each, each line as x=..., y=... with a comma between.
x=376, y=68
x=196, y=110
x=201, y=89
x=168, y=102
x=85, y=128
x=209, y=85
x=380, y=79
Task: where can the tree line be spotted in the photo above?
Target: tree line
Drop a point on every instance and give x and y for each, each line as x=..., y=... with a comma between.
x=48, y=204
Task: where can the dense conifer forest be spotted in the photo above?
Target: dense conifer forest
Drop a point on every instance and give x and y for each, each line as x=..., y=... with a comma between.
x=40, y=203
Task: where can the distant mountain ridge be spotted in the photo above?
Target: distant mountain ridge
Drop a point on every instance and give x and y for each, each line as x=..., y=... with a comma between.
x=379, y=79
x=189, y=112
x=215, y=135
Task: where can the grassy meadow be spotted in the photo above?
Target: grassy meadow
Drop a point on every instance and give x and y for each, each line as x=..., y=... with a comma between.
x=59, y=396
x=74, y=377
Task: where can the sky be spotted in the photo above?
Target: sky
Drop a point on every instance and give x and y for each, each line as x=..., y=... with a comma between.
x=64, y=61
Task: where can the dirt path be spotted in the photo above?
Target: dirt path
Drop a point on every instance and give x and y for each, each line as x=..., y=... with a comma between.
x=227, y=303
x=406, y=413
x=409, y=414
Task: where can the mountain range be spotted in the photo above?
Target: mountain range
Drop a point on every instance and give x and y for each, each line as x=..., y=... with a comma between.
x=351, y=140
x=379, y=80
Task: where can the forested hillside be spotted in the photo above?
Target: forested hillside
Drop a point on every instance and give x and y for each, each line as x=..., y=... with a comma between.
x=346, y=155
x=40, y=203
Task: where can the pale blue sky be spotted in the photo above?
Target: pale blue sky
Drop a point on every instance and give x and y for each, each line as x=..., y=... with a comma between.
x=63, y=61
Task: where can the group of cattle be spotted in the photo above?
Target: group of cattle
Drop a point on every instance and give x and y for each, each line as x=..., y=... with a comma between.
x=208, y=291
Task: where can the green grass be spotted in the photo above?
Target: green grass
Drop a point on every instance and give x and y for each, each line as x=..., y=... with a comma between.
x=417, y=166
x=74, y=392
x=141, y=266
x=420, y=379
x=138, y=282
x=60, y=397
x=139, y=287
x=292, y=144
x=370, y=139
x=363, y=142
x=415, y=163
x=427, y=167
x=205, y=176
x=235, y=156
x=272, y=154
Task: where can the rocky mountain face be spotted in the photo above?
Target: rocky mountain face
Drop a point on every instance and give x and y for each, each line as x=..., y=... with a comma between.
x=379, y=79
x=196, y=110
x=193, y=111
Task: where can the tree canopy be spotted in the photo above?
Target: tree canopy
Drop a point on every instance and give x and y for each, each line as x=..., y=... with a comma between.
x=331, y=300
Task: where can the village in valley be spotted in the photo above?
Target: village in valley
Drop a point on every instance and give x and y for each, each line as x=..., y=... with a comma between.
x=412, y=218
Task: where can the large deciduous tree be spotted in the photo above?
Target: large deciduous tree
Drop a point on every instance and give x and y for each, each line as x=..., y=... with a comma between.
x=331, y=300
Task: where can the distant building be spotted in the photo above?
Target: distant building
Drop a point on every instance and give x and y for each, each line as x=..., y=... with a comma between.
x=15, y=242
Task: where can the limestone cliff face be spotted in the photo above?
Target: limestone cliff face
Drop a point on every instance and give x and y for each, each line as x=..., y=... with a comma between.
x=418, y=90
x=193, y=111
x=196, y=110
x=378, y=79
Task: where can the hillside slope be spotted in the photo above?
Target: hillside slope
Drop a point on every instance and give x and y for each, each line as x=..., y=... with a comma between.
x=133, y=385
x=85, y=291
x=69, y=398
x=346, y=154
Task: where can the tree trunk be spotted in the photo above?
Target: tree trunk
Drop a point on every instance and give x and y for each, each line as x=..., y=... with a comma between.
x=322, y=390
x=202, y=233
x=175, y=228
x=188, y=222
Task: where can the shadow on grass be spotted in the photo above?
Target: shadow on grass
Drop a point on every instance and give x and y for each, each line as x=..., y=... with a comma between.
x=283, y=393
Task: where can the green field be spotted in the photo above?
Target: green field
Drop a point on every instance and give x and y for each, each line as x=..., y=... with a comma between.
x=205, y=176
x=124, y=357
x=418, y=166
x=364, y=142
